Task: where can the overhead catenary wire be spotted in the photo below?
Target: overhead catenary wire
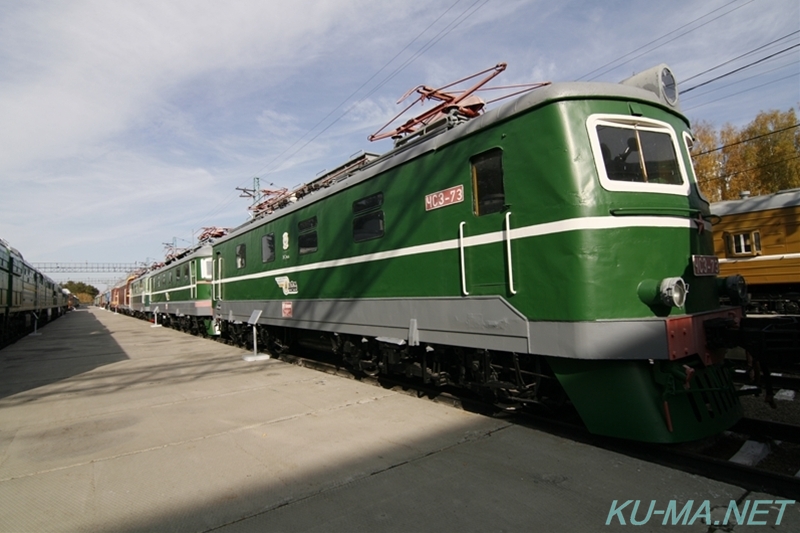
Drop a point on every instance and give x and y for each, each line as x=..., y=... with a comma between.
x=748, y=169
x=742, y=92
x=754, y=50
x=470, y=10
x=774, y=132
x=742, y=80
x=450, y=27
x=664, y=43
x=458, y=20
x=761, y=61
x=734, y=71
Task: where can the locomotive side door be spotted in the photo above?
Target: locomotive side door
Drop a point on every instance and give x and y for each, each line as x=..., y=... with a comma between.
x=485, y=241
x=216, y=278
x=193, y=265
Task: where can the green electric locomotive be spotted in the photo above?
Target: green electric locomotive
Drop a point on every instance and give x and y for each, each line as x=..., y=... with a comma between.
x=178, y=293
x=553, y=247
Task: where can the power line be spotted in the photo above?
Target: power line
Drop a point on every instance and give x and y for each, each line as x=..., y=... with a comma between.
x=406, y=47
x=470, y=10
x=748, y=169
x=438, y=37
x=684, y=91
x=441, y=34
x=761, y=74
x=740, y=57
x=742, y=92
x=662, y=37
x=746, y=140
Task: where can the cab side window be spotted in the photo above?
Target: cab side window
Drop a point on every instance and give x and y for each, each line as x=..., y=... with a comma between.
x=368, y=220
x=307, y=240
x=241, y=256
x=268, y=248
x=488, y=192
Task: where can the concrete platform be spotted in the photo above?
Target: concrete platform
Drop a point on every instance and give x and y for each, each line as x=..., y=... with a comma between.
x=107, y=424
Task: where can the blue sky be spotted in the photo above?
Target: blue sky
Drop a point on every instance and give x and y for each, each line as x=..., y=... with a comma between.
x=128, y=124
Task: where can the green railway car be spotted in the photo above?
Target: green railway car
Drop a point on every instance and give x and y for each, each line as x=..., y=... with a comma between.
x=553, y=247
x=177, y=294
x=28, y=298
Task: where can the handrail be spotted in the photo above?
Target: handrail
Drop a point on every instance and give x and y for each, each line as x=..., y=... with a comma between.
x=461, y=254
x=192, y=280
x=219, y=280
x=508, y=254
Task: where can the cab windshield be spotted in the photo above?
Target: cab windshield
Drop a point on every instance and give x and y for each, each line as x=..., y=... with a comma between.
x=637, y=154
x=641, y=156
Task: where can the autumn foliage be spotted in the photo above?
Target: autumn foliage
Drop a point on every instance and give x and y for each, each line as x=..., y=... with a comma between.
x=762, y=157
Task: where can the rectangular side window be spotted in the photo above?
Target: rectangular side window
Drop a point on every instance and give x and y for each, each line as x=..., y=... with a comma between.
x=488, y=193
x=241, y=255
x=309, y=223
x=367, y=203
x=268, y=248
x=307, y=240
x=367, y=227
x=369, y=223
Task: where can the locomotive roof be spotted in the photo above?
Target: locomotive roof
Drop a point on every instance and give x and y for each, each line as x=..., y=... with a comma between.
x=414, y=147
x=780, y=199
x=202, y=250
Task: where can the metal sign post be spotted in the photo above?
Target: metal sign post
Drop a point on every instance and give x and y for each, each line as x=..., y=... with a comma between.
x=35, y=326
x=155, y=315
x=253, y=320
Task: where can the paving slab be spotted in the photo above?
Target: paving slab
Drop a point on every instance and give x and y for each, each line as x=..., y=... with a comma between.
x=107, y=424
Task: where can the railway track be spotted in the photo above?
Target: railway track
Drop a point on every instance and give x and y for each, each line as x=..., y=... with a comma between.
x=780, y=380
x=710, y=458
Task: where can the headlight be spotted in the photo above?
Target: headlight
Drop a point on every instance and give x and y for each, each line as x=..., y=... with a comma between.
x=659, y=80
x=669, y=88
x=736, y=289
x=673, y=292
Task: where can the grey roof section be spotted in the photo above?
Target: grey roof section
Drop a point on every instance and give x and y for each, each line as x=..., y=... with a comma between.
x=787, y=198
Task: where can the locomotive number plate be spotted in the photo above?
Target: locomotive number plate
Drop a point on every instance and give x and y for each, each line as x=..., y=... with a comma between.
x=453, y=195
x=705, y=265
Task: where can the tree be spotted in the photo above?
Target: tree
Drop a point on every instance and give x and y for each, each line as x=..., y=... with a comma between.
x=79, y=287
x=708, y=167
x=773, y=151
x=762, y=157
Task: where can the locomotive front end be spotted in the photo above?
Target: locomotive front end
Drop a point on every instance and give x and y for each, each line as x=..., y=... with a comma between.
x=649, y=279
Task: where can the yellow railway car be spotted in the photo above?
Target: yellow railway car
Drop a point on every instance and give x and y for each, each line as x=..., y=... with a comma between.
x=759, y=238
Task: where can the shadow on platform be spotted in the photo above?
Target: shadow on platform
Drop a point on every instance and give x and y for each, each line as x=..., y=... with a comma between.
x=72, y=345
